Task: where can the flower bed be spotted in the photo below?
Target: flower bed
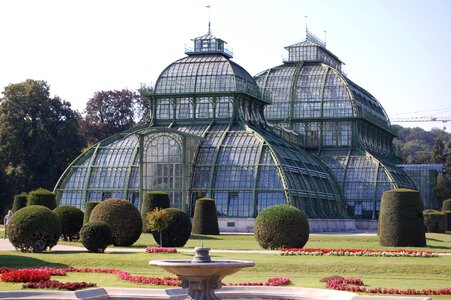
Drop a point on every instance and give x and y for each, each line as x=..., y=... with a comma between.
x=356, y=285
x=277, y=281
x=55, y=284
x=45, y=282
x=357, y=252
x=25, y=275
x=150, y=249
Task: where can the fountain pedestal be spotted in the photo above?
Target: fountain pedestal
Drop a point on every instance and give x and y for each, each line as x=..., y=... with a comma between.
x=201, y=275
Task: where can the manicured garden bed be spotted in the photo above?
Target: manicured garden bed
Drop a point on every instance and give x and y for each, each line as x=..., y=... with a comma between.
x=305, y=271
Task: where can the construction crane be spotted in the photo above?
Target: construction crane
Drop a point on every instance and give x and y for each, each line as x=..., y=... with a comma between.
x=421, y=119
x=432, y=115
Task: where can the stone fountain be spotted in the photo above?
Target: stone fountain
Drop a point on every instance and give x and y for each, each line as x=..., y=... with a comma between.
x=201, y=275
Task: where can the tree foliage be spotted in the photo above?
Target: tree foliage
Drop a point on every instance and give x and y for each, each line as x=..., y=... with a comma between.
x=39, y=135
x=111, y=112
x=443, y=188
x=415, y=145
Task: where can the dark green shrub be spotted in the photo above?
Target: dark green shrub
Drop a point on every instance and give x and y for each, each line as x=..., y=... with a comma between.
x=434, y=221
x=448, y=219
x=151, y=201
x=96, y=236
x=205, y=218
x=122, y=217
x=20, y=201
x=71, y=219
x=446, y=205
x=177, y=233
x=401, y=222
x=34, y=228
x=42, y=197
x=281, y=226
x=89, y=206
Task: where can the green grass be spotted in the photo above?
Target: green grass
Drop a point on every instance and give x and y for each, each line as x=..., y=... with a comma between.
x=305, y=271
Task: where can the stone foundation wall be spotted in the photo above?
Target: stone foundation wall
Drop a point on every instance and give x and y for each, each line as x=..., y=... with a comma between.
x=316, y=225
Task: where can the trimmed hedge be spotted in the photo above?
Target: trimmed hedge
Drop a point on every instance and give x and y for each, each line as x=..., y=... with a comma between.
x=71, y=219
x=178, y=232
x=20, y=201
x=205, y=218
x=34, y=228
x=401, y=222
x=89, y=206
x=96, y=236
x=281, y=226
x=446, y=205
x=123, y=218
x=448, y=219
x=151, y=201
x=42, y=197
x=434, y=221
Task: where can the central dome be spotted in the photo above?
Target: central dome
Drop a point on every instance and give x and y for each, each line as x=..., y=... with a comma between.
x=206, y=74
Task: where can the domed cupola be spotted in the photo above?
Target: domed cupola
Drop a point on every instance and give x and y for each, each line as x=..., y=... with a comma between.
x=207, y=85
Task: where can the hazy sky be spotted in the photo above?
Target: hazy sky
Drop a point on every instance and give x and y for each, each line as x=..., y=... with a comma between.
x=398, y=50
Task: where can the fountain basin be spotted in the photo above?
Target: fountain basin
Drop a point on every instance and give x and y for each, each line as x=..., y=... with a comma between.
x=201, y=275
x=186, y=268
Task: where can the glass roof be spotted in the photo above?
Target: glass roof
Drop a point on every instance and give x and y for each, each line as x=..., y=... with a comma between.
x=208, y=73
x=314, y=91
x=253, y=166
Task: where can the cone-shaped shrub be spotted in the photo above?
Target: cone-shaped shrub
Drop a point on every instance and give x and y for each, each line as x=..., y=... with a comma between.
x=401, y=222
x=34, y=228
x=152, y=200
x=71, y=219
x=96, y=236
x=281, y=226
x=446, y=205
x=122, y=217
x=42, y=197
x=20, y=201
x=89, y=206
x=434, y=221
x=177, y=233
x=205, y=218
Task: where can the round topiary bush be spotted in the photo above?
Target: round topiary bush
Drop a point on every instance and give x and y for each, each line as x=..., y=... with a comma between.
x=71, y=219
x=89, y=206
x=122, y=217
x=96, y=236
x=434, y=221
x=42, y=197
x=401, y=222
x=151, y=201
x=34, y=228
x=281, y=226
x=177, y=233
x=446, y=205
x=205, y=218
x=20, y=201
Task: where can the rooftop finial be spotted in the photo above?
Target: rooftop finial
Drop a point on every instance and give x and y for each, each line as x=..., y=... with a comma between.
x=209, y=17
x=325, y=37
x=306, y=23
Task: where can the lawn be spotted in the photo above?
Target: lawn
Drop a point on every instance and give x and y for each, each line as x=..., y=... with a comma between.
x=305, y=271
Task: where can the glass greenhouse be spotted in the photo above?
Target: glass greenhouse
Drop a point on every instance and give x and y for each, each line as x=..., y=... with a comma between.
x=339, y=122
x=207, y=136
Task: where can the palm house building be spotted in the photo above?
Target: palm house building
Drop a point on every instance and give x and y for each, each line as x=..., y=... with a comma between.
x=339, y=122
x=207, y=136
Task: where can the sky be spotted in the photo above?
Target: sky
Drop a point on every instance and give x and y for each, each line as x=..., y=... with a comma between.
x=398, y=50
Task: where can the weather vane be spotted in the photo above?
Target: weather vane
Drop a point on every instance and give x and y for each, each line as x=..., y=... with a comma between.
x=209, y=16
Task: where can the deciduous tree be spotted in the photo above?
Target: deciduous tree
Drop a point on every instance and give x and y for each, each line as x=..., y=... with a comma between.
x=39, y=135
x=111, y=112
